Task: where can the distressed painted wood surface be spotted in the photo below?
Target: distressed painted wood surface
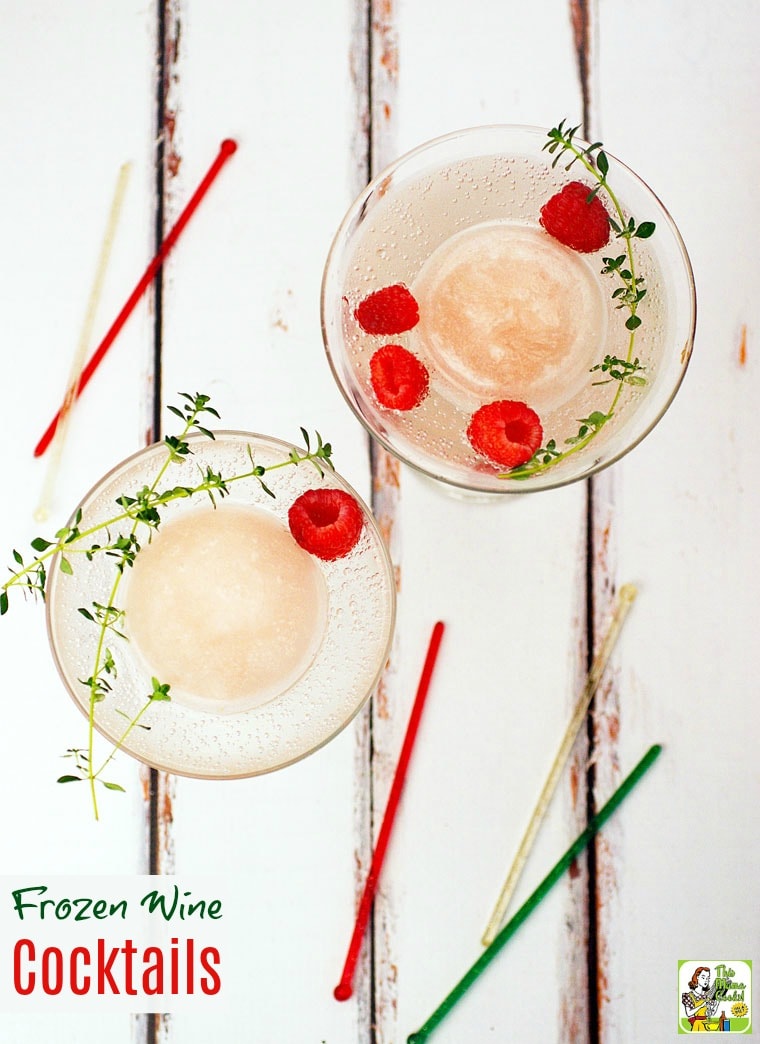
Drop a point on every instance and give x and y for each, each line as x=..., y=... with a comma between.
x=685, y=527
x=77, y=100
x=318, y=98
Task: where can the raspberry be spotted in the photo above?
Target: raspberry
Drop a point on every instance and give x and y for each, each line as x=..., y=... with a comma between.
x=400, y=381
x=507, y=433
x=572, y=220
x=391, y=310
x=326, y=522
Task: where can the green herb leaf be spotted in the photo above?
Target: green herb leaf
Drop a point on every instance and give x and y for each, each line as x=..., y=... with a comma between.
x=120, y=541
x=645, y=230
x=160, y=692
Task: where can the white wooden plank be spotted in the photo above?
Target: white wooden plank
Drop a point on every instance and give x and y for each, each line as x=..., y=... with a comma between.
x=502, y=576
x=245, y=319
x=77, y=104
x=481, y=759
x=62, y=183
x=242, y=322
x=686, y=525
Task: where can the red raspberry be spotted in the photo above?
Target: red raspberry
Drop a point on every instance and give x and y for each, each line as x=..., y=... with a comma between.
x=570, y=218
x=326, y=522
x=391, y=310
x=400, y=381
x=506, y=432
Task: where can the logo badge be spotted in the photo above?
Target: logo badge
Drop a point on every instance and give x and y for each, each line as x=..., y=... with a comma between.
x=715, y=996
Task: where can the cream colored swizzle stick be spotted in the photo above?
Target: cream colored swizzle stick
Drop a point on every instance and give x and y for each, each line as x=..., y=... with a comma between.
x=625, y=599
x=85, y=337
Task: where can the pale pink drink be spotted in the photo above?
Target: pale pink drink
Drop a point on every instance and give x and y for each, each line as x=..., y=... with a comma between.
x=268, y=650
x=505, y=311
x=263, y=618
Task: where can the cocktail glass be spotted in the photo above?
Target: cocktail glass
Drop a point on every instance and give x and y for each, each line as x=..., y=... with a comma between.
x=265, y=731
x=594, y=343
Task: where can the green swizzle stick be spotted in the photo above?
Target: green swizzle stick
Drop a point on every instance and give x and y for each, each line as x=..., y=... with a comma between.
x=595, y=824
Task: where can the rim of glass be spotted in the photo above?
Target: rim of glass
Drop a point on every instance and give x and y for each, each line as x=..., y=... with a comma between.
x=387, y=564
x=509, y=489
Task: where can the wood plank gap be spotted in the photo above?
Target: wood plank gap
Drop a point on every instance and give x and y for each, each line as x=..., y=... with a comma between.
x=158, y=787
x=360, y=65
x=155, y=432
x=579, y=1013
x=161, y=859
x=579, y=1019
x=600, y=592
x=382, y=70
x=159, y=218
x=603, y=731
x=592, y=951
x=580, y=17
x=372, y=448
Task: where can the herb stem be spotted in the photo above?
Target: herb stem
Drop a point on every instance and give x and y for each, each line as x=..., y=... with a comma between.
x=122, y=739
x=139, y=509
x=560, y=141
x=602, y=179
x=92, y=776
x=104, y=624
x=17, y=577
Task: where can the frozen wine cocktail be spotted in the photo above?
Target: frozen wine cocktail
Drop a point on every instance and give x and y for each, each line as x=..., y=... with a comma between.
x=219, y=605
x=508, y=310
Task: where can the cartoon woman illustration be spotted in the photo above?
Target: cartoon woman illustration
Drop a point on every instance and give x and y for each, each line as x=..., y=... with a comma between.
x=700, y=1003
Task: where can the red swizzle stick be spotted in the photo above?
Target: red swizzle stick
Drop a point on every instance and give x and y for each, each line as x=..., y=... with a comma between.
x=344, y=989
x=226, y=149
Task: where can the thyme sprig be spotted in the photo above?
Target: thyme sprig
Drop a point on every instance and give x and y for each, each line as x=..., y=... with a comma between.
x=628, y=296
x=589, y=428
x=627, y=371
x=594, y=159
x=141, y=514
